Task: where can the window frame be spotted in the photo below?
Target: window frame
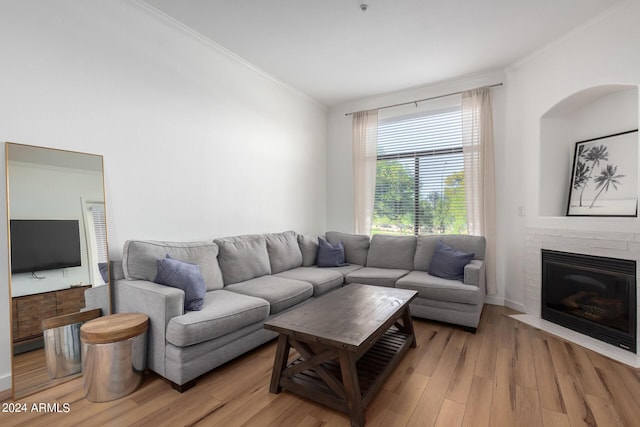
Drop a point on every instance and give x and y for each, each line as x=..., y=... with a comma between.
x=442, y=107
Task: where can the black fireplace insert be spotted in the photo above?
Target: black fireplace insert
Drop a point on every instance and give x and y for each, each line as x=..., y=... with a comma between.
x=592, y=295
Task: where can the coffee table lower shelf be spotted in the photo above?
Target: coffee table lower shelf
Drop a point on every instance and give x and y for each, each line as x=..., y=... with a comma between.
x=373, y=368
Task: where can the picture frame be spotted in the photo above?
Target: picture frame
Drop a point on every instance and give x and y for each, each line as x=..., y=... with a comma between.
x=604, y=177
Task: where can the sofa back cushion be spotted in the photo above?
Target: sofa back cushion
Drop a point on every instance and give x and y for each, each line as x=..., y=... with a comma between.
x=392, y=252
x=309, y=248
x=284, y=252
x=356, y=246
x=426, y=246
x=243, y=258
x=139, y=259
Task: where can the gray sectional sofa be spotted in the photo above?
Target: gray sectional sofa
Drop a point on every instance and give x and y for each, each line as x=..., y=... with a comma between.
x=251, y=278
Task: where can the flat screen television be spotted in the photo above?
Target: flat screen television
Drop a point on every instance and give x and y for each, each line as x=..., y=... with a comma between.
x=44, y=244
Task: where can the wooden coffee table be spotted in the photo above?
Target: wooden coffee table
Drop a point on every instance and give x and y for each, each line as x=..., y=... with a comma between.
x=349, y=341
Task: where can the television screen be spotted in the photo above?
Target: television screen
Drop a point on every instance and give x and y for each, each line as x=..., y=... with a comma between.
x=41, y=244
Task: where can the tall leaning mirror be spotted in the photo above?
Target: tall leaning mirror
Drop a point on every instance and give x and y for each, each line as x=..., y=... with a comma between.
x=58, y=260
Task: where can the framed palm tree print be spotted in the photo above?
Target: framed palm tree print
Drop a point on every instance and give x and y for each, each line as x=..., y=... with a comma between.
x=604, y=179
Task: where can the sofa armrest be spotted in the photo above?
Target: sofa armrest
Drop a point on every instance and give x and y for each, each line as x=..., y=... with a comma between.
x=160, y=303
x=474, y=274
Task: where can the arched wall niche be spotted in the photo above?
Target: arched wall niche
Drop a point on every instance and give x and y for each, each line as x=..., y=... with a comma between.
x=590, y=113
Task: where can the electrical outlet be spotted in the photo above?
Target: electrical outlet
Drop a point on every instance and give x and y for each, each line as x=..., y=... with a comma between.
x=520, y=210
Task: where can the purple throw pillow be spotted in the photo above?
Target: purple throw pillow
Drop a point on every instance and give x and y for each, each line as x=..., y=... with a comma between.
x=185, y=276
x=329, y=255
x=448, y=263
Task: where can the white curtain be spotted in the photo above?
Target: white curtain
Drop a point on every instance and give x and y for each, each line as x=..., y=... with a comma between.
x=365, y=140
x=479, y=176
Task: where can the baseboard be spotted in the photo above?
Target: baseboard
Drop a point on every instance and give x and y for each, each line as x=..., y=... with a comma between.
x=514, y=306
x=5, y=384
x=490, y=299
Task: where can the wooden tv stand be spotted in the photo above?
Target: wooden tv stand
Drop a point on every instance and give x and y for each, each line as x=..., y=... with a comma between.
x=29, y=311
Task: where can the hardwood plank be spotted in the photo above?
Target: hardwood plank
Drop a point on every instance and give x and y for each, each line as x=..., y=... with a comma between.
x=524, y=363
x=578, y=410
x=435, y=345
x=431, y=400
x=486, y=363
x=554, y=419
x=377, y=409
x=309, y=421
x=407, y=366
x=604, y=412
x=625, y=402
x=404, y=403
x=587, y=374
x=451, y=414
x=546, y=377
x=503, y=402
x=478, y=408
x=528, y=411
x=630, y=377
x=561, y=353
x=463, y=375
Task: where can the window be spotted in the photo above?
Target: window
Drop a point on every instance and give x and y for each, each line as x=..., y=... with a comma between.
x=420, y=173
x=96, y=231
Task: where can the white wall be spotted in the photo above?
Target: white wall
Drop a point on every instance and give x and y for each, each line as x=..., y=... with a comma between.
x=196, y=143
x=603, y=52
x=340, y=178
x=592, y=113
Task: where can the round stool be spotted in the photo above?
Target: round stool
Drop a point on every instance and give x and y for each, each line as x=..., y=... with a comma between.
x=114, y=353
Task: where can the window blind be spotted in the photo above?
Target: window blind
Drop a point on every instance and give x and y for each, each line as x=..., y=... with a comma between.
x=420, y=174
x=100, y=228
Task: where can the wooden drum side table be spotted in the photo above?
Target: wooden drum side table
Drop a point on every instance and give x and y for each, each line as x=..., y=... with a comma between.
x=114, y=355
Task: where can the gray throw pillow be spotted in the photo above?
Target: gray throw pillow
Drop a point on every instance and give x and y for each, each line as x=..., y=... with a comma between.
x=448, y=263
x=185, y=276
x=330, y=255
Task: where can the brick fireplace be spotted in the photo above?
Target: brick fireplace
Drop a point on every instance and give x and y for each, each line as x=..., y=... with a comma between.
x=593, y=295
x=621, y=245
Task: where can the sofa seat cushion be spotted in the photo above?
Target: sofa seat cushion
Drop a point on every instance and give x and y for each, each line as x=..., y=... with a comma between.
x=280, y=292
x=376, y=276
x=344, y=270
x=435, y=288
x=322, y=279
x=222, y=313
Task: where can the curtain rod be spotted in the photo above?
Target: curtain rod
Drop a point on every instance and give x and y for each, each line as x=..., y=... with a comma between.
x=419, y=100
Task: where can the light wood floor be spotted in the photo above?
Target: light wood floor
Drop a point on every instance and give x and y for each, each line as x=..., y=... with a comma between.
x=31, y=375
x=507, y=374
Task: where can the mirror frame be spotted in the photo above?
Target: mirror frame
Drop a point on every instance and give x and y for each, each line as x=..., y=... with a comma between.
x=16, y=394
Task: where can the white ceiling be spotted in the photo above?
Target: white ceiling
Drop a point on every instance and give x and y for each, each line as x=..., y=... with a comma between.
x=332, y=51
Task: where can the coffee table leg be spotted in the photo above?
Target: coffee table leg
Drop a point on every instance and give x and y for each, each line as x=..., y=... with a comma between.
x=352, y=388
x=280, y=362
x=408, y=326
